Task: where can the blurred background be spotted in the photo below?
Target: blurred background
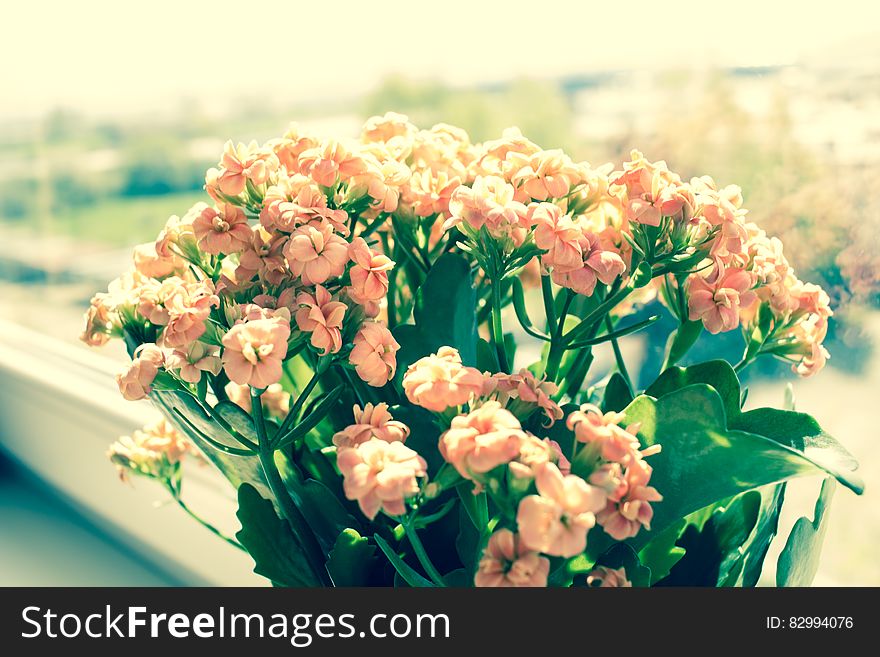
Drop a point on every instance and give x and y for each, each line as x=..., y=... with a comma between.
x=111, y=115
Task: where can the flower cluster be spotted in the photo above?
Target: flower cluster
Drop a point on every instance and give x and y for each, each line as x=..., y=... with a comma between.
x=264, y=316
x=154, y=451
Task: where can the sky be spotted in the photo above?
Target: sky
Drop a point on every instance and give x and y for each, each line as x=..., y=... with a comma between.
x=111, y=58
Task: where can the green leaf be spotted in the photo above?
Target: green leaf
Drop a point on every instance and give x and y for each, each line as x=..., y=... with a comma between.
x=236, y=418
x=662, y=553
x=445, y=308
x=716, y=373
x=188, y=416
x=457, y=578
x=714, y=555
x=765, y=532
x=409, y=575
x=424, y=435
x=487, y=357
x=799, y=559
x=702, y=461
x=682, y=339
x=802, y=433
x=468, y=540
x=617, y=394
x=623, y=556
x=323, y=510
x=351, y=559
x=278, y=555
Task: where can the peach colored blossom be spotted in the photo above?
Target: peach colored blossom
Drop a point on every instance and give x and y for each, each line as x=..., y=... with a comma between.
x=498, y=157
x=557, y=234
x=152, y=451
x=178, y=233
x=315, y=253
x=296, y=200
x=254, y=352
x=264, y=257
x=623, y=517
x=380, y=475
x=329, y=161
x=482, y=440
x=387, y=127
x=556, y=521
x=604, y=577
x=534, y=453
x=100, y=321
x=381, y=181
x=188, y=307
x=440, y=380
x=521, y=392
x=429, y=192
x=546, y=174
x=374, y=354
x=612, y=442
x=148, y=262
x=489, y=202
x=321, y=316
x=196, y=358
x=369, y=276
x=717, y=304
x=136, y=382
x=238, y=165
x=222, y=230
x=276, y=401
x=506, y=561
x=289, y=147
x=372, y=422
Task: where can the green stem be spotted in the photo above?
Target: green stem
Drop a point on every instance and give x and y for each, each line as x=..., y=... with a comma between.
x=421, y=554
x=557, y=341
x=293, y=414
x=497, y=329
x=298, y=523
x=549, y=303
x=211, y=528
x=618, y=357
x=392, y=286
x=374, y=226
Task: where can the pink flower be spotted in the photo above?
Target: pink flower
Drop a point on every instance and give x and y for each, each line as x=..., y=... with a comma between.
x=329, y=161
x=372, y=422
x=187, y=307
x=374, y=354
x=439, y=381
x=574, y=253
x=316, y=253
x=380, y=475
x=612, y=442
x=238, y=165
x=369, y=276
x=264, y=257
x=385, y=128
x=556, y=521
x=149, y=263
x=557, y=234
x=196, y=358
x=224, y=230
x=152, y=451
x=534, y=453
x=717, y=304
x=624, y=515
x=99, y=321
x=254, y=352
x=546, y=174
x=381, y=181
x=430, y=192
x=604, y=577
x=136, y=382
x=482, y=440
x=521, y=392
x=507, y=561
x=296, y=200
x=489, y=202
x=319, y=315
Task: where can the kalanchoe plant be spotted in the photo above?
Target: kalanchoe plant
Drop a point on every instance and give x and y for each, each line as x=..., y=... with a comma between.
x=334, y=334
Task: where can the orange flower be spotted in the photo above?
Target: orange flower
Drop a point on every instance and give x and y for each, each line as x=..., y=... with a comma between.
x=372, y=422
x=374, y=354
x=507, y=561
x=321, y=316
x=439, y=381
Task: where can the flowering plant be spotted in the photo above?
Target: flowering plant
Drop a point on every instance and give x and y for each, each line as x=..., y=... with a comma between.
x=386, y=347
